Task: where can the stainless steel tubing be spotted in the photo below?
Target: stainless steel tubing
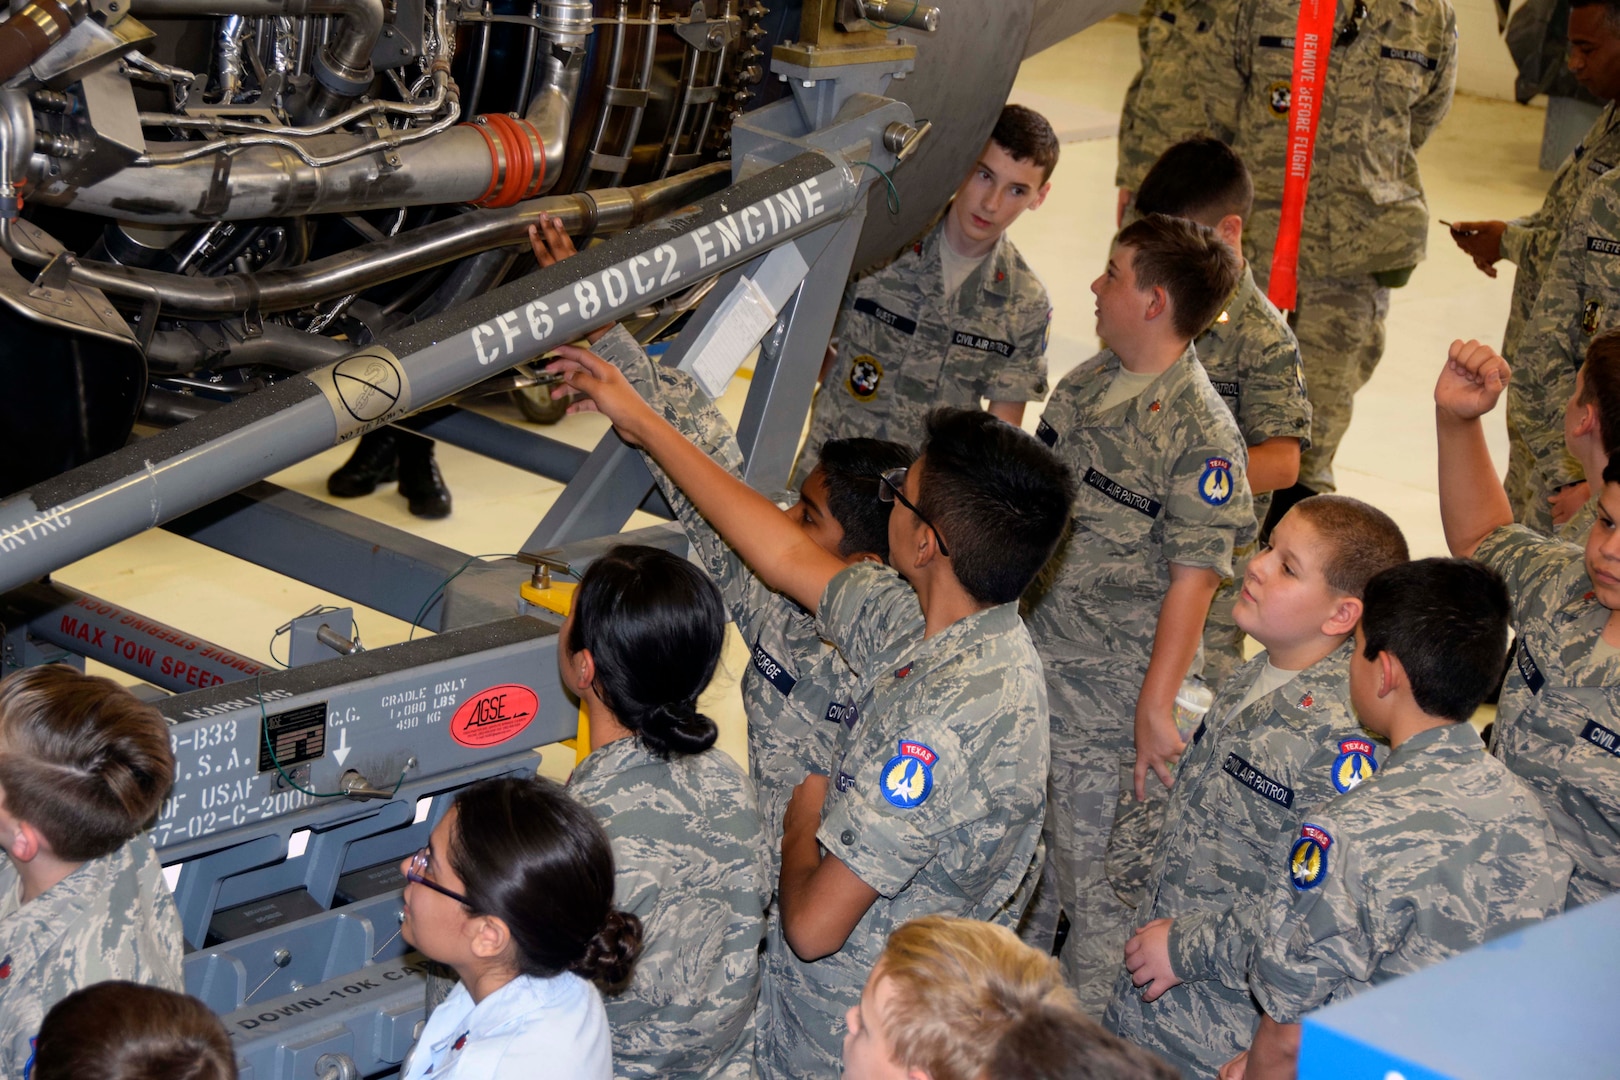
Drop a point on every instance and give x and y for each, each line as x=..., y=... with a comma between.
x=605, y=211
x=157, y=479
x=343, y=69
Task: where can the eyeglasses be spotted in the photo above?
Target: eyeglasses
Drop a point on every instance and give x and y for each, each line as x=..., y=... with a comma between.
x=1352, y=29
x=418, y=874
x=889, y=491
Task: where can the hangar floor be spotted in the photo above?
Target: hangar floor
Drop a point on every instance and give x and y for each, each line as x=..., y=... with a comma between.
x=1480, y=164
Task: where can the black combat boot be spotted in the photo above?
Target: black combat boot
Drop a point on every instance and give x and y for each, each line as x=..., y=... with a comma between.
x=374, y=461
x=419, y=479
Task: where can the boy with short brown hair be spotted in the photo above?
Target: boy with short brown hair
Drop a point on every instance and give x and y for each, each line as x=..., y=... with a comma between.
x=1280, y=740
x=84, y=768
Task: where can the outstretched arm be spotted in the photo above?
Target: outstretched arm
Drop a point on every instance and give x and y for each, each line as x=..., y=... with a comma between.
x=1472, y=502
x=778, y=551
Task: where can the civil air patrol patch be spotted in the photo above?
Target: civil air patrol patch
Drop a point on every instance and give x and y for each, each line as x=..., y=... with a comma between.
x=865, y=376
x=1307, y=701
x=5, y=967
x=908, y=777
x=1215, y=485
x=903, y=672
x=1590, y=316
x=1278, y=96
x=1354, y=764
x=1308, y=861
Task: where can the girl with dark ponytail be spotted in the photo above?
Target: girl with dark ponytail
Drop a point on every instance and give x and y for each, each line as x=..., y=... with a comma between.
x=641, y=643
x=515, y=892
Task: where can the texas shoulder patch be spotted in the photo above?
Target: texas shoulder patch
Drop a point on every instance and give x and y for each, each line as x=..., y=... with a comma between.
x=865, y=376
x=1215, y=485
x=1308, y=862
x=1354, y=764
x=908, y=777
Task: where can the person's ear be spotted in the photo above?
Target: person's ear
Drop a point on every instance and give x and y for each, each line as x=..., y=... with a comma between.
x=491, y=937
x=1391, y=675
x=1585, y=418
x=1230, y=230
x=26, y=844
x=1158, y=303
x=584, y=666
x=1040, y=196
x=1346, y=613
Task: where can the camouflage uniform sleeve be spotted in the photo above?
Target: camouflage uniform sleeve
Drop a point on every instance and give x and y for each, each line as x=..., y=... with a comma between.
x=884, y=843
x=1530, y=564
x=679, y=399
x=1164, y=102
x=1217, y=944
x=1273, y=401
x=1228, y=69
x=1551, y=348
x=1431, y=108
x=1023, y=377
x=1208, y=515
x=1319, y=937
x=865, y=609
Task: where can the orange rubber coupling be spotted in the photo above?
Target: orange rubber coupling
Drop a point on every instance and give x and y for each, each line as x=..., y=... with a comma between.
x=517, y=159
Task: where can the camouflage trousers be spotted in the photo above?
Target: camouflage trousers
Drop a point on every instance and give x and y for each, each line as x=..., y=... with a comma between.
x=1197, y=1027
x=1340, y=326
x=1526, y=492
x=1092, y=747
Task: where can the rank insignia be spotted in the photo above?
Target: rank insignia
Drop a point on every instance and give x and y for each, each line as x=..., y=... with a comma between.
x=1308, y=862
x=1590, y=315
x=1215, y=486
x=1354, y=764
x=1278, y=96
x=1307, y=701
x=1155, y=407
x=908, y=777
x=903, y=672
x=865, y=376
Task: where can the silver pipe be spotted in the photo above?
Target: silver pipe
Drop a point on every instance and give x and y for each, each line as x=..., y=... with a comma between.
x=173, y=472
x=433, y=244
x=551, y=111
x=343, y=67
x=231, y=29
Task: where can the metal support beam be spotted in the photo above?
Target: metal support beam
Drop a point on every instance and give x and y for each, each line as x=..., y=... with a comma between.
x=328, y=547
x=124, y=639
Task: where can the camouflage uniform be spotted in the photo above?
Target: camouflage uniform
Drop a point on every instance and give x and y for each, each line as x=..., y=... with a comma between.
x=1531, y=243
x=1558, y=724
x=1164, y=103
x=1365, y=215
x=1439, y=851
x=1252, y=360
x=797, y=690
x=904, y=350
x=688, y=860
x=1575, y=530
x=1242, y=788
x=936, y=802
x=1162, y=480
x=113, y=918
x=1578, y=299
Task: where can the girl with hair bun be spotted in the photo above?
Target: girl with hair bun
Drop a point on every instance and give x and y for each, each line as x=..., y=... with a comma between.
x=641, y=643
x=514, y=891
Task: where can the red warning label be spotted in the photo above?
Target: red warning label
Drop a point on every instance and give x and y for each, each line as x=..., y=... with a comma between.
x=494, y=716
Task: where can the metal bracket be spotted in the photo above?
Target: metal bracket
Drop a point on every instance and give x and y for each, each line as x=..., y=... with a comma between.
x=53, y=282
x=705, y=34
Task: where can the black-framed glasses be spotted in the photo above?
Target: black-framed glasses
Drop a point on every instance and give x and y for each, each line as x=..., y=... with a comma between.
x=889, y=491
x=418, y=873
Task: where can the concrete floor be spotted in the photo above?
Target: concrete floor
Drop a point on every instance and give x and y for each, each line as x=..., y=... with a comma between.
x=1480, y=164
